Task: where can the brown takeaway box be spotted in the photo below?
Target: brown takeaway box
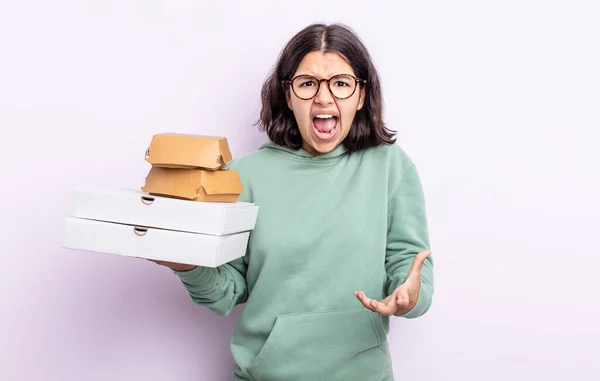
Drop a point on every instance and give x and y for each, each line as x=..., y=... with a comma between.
x=194, y=184
x=174, y=150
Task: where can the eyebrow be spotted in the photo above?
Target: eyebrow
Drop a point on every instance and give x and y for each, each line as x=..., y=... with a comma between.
x=314, y=75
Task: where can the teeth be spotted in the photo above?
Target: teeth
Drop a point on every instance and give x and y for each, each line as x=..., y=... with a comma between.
x=323, y=116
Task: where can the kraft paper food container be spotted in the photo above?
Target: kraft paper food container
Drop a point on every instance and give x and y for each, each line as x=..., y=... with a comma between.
x=194, y=184
x=152, y=243
x=174, y=150
x=134, y=207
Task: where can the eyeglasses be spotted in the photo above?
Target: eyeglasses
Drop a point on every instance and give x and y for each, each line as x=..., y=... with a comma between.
x=341, y=86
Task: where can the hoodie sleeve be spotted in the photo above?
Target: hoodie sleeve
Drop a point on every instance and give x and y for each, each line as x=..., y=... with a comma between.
x=220, y=288
x=407, y=236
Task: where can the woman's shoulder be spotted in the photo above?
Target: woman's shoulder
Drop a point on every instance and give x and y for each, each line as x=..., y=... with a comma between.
x=393, y=155
x=254, y=159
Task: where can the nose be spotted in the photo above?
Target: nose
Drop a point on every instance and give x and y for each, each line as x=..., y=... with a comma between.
x=324, y=96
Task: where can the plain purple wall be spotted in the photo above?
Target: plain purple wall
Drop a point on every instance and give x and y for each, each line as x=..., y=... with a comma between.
x=496, y=101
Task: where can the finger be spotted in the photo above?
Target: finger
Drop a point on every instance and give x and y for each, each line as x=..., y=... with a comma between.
x=161, y=263
x=417, y=264
x=402, y=299
x=365, y=301
x=375, y=305
x=383, y=309
x=400, y=295
x=389, y=299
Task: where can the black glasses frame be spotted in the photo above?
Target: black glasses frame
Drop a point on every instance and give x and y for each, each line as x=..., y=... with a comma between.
x=358, y=81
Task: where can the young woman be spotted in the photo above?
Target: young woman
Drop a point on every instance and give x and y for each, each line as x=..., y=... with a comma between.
x=342, y=220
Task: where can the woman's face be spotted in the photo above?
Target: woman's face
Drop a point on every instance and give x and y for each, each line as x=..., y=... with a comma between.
x=324, y=121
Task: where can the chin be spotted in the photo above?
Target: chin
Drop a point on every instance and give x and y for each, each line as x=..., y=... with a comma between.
x=323, y=147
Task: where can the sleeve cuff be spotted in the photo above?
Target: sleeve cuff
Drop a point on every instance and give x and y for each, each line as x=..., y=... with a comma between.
x=199, y=277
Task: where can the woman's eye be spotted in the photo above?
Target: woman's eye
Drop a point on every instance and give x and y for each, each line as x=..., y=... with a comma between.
x=341, y=84
x=307, y=83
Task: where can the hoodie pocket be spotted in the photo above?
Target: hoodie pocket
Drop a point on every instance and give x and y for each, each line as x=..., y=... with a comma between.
x=324, y=346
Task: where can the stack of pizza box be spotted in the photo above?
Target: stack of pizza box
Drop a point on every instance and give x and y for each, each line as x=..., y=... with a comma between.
x=186, y=212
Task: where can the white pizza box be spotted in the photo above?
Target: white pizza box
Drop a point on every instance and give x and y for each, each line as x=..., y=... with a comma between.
x=140, y=208
x=152, y=243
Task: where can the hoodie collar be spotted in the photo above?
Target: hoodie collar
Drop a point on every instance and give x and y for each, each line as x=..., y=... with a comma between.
x=336, y=152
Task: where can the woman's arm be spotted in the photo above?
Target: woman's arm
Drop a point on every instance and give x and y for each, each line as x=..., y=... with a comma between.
x=220, y=288
x=407, y=236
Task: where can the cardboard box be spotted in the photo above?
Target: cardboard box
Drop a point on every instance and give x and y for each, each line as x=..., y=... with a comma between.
x=172, y=150
x=159, y=244
x=139, y=208
x=194, y=184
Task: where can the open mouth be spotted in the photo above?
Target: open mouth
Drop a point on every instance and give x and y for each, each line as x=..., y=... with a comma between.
x=325, y=126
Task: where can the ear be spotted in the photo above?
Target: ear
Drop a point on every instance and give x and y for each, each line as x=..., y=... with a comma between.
x=288, y=98
x=361, y=100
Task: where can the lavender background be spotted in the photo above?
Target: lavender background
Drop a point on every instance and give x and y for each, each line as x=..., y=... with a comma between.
x=496, y=101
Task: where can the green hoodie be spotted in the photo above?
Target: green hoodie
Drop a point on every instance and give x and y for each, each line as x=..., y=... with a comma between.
x=327, y=225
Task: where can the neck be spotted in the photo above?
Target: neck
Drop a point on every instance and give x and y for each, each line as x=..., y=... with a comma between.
x=308, y=148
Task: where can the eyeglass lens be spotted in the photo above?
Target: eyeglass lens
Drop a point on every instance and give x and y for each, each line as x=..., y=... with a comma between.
x=341, y=86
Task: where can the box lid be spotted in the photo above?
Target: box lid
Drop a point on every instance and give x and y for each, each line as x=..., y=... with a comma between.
x=128, y=206
x=176, y=150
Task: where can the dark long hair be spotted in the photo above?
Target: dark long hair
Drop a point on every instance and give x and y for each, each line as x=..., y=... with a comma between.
x=368, y=128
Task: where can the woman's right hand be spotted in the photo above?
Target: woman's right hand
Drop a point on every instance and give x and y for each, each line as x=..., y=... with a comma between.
x=174, y=266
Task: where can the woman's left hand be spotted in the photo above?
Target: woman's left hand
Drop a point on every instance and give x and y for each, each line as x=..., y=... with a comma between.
x=404, y=298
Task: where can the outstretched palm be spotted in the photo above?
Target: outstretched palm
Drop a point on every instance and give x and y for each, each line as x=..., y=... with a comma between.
x=404, y=297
